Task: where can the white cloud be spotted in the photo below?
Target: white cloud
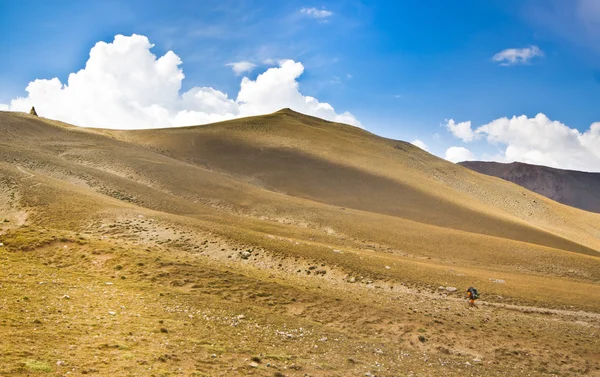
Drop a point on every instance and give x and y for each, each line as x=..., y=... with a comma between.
x=241, y=67
x=125, y=86
x=461, y=130
x=316, y=13
x=514, y=56
x=459, y=154
x=278, y=88
x=542, y=141
x=420, y=144
x=3, y=107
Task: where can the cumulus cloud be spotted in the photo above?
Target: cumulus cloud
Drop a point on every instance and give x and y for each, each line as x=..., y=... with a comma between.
x=514, y=56
x=241, y=67
x=542, y=141
x=125, y=86
x=420, y=144
x=316, y=13
x=461, y=130
x=459, y=154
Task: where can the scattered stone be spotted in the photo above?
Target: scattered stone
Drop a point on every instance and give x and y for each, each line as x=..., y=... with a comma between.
x=66, y=297
x=387, y=267
x=60, y=363
x=213, y=355
x=112, y=313
x=467, y=363
x=476, y=360
x=451, y=289
x=352, y=279
x=109, y=283
x=1, y=244
x=254, y=364
x=441, y=288
x=499, y=281
x=241, y=316
x=245, y=254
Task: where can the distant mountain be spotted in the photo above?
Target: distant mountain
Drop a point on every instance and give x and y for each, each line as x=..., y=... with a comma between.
x=574, y=188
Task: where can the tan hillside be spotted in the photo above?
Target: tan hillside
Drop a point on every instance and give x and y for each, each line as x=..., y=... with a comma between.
x=308, y=230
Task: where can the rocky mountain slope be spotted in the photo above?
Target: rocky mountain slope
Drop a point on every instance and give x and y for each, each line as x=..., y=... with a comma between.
x=573, y=188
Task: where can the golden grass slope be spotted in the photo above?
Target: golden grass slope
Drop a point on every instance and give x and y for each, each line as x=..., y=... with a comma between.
x=299, y=221
x=342, y=165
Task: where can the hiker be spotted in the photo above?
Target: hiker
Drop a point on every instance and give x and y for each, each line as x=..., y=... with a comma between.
x=472, y=295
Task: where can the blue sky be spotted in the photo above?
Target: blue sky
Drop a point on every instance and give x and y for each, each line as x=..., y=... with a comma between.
x=402, y=68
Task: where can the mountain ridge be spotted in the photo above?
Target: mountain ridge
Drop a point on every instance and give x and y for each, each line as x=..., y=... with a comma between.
x=570, y=187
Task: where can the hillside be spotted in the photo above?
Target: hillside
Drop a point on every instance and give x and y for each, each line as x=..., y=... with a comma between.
x=281, y=244
x=573, y=188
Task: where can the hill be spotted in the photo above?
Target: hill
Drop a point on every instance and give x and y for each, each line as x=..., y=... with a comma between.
x=573, y=188
x=281, y=244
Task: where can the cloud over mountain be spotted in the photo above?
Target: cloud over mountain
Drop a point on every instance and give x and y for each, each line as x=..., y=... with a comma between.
x=125, y=86
x=541, y=141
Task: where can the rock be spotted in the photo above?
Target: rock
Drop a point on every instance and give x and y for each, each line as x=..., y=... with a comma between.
x=254, y=364
x=112, y=313
x=476, y=360
x=109, y=283
x=387, y=267
x=451, y=289
x=32, y=111
x=241, y=316
x=499, y=281
x=369, y=374
x=468, y=364
x=352, y=279
x=245, y=254
x=60, y=363
x=66, y=297
x=1, y=244
x=441, y=288
x=422, y=339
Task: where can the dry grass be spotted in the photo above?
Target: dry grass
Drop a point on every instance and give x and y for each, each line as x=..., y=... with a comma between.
x=331, y=242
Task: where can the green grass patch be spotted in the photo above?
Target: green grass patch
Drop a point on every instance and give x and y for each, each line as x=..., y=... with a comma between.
x=37, y=366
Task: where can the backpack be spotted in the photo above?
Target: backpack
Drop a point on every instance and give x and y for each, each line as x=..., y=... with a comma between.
x=474, y=293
